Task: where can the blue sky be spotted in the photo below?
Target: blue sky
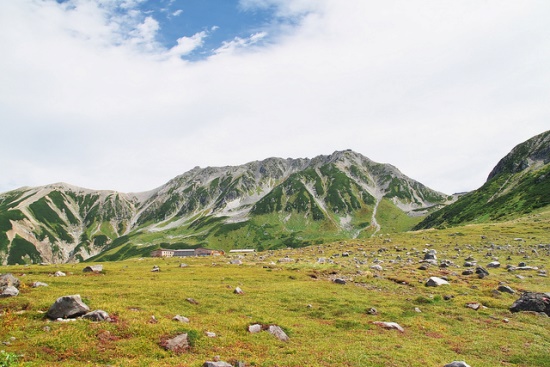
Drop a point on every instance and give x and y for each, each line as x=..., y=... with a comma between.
x=127, y=94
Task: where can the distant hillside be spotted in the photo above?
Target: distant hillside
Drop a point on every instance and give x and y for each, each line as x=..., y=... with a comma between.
x=519, y=184
x=269, y=204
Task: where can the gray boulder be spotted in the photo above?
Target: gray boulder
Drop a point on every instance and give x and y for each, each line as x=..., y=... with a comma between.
x=436, y=282
x=97, y=315
x=9, y=291
x=93, y=269
x=278, y=332
x=8, y=280
x=177, y=344
x=180, y=318
x=67, y=307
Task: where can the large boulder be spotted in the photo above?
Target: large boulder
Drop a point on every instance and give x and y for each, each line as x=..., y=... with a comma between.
x=8, y=280
x=67, y=307
x=532, y=301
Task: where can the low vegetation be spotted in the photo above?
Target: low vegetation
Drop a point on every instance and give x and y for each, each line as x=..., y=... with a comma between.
x=329, y=324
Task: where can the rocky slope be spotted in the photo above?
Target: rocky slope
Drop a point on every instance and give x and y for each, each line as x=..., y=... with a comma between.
x=519, y=184
x=267, y=204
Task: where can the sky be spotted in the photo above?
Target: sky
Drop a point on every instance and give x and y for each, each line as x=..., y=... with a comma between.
x=127, y=94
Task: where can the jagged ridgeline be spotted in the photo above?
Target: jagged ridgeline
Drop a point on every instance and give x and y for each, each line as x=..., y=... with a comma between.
x=519, y=184
x=265, y=205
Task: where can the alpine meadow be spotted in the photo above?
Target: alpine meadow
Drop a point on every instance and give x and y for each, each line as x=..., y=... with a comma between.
x=331, y=261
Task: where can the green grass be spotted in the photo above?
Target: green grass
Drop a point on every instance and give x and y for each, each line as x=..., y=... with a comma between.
x=327, y=323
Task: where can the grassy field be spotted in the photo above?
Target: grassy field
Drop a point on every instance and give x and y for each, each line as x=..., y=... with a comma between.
x=328, y=323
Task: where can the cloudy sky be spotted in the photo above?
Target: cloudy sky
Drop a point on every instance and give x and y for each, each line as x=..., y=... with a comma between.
x=127, y=94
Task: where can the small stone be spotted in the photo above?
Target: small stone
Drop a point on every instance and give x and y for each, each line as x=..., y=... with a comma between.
x=457, y=364
x=216, y=364
x=93, y=269
x=278, y=332
x=493, y=264
x=506, y=289
x=59, y=273
x=183, y=265
x=416, y=309
x=255, y=328
x=192, y=301
x=340, y=281
x=155, y=269
x=389, y=325
x=39, y=284
x=97, y=315
x=436, y=282
x=238, y=290
x=210, y=334
x=372, y=311
x=474, y=306
x=177, y=344
x=180, y=318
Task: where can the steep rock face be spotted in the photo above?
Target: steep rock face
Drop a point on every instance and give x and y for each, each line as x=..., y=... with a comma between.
x=535, y=153
x=264, y=201
x=519, y=184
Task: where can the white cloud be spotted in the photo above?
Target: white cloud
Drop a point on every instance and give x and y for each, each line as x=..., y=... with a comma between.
x=240, y=43
x=440, y=89
x=187, y=44
x=177, y=12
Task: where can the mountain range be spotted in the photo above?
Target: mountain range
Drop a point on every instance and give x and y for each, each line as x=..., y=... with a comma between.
x=266, y=204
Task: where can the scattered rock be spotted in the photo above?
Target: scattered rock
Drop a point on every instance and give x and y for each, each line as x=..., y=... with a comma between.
x=177, y=344
x=339, y=281
x=436, y=282
x=9, y=291
x=468, y=272
x=39, y=284
x=532, y=301
x=183, y=265
x=372, y=311
x=180, y=318
x=155, y=269
x=97, y=315
x=457, y=364
x=93, y=269
x=377, y=267
x=210, y=334
x=482, y=271
x=238, y=290
x=67, y=307
x=236, y=262
x=278, y=332
x=506, y=289
x=389, y=325
x=493, y=264
x=192, y=301
x=474, y=305
x=8, y=280
x=216, y=364
x=59, y=273
x=254, y=328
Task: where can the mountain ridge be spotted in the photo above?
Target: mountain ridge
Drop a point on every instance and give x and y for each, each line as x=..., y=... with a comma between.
x=281, y=201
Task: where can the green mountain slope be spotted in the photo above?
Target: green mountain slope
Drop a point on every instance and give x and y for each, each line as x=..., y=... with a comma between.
x=519, y=184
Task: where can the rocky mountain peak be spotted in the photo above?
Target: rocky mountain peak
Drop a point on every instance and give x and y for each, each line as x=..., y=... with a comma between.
x=533, y=152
